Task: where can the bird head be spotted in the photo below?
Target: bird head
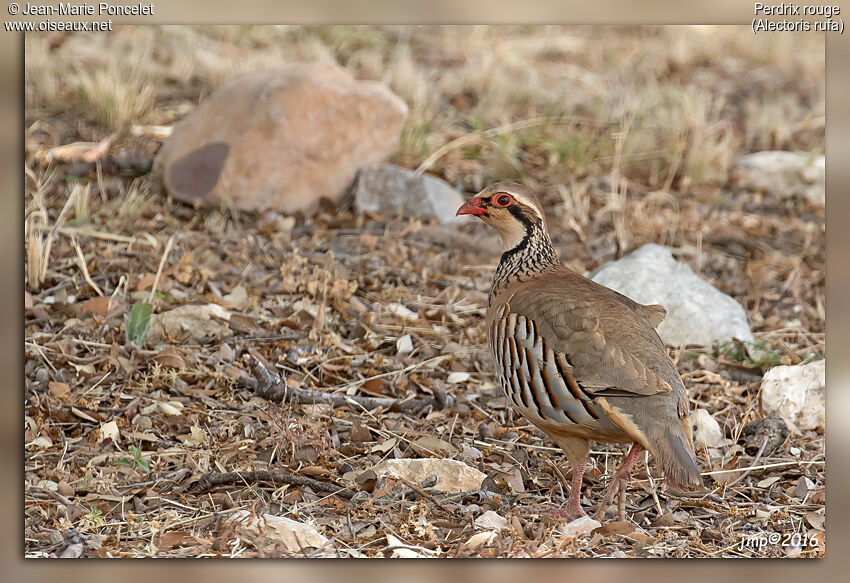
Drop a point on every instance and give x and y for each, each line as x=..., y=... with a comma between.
x=510, y=208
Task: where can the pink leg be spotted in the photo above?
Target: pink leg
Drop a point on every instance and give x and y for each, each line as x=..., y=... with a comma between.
x=573, y=509
x=618, y=483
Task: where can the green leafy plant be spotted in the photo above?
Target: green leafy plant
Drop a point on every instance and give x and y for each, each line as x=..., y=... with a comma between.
x=137, y=324
x=752, y=354
x=137, y=460
x=96, y=515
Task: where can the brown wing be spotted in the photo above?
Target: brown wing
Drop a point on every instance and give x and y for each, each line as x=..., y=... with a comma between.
x=612, y=348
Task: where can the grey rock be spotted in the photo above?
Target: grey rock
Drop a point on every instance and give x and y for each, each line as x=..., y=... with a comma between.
x=697, y=313
x=391, y=190
x=280, y=139
x=782, y=173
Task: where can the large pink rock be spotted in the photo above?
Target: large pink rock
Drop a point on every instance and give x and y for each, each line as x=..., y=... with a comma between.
x=280, y=139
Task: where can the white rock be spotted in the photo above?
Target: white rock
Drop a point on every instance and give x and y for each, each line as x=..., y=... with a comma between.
x=452, y=475
x=697, y=313
x=580, y=526
x=783, y=174
x=490, y=520
x=294, y=535
x=796, y=393
x=707, y=430
x=391, y=190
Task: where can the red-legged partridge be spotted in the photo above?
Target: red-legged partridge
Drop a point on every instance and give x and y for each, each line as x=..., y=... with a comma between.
x=577, y=359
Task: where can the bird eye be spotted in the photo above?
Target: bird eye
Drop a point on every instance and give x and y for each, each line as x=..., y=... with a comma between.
x=503, y=200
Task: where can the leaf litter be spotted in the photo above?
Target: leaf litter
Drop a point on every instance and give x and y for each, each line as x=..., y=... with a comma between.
x=154, y=434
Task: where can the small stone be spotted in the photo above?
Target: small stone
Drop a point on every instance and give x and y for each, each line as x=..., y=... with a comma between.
x=707, y=430
x=74, y=551
x=490, y=520
x=796, y=393
x=580, y=526
x=391, y=190
x=783, y=174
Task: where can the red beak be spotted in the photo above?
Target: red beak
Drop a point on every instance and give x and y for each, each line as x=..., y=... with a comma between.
x=473, y=207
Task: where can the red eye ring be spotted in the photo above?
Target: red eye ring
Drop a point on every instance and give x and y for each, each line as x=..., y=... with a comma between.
x=502, y=200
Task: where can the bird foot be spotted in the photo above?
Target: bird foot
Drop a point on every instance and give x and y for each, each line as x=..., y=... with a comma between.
x=568, y=514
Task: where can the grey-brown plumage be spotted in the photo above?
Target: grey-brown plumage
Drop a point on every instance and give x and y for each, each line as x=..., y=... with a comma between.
x=577, y=359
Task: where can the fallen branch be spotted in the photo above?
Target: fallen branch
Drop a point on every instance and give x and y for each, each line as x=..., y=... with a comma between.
x=211, y=479
x=270, y=386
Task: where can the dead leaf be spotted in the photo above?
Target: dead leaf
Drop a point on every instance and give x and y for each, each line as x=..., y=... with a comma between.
x=171, y=407
x=767, y=482
x=428, y=445
x=366, y=481
x=665, y=519
x=359, y=433
x=514, y=481
x=237, y=298
x=109, y=431
x=87, y=415
x=145, y=282
x=173, y=539
x=817, y=520
x=197, y=436
x=100, y=306
x=315, y=471
x=457, y=377
x=170, y=357
x=615, y=527
x=384, y=446
x=295, y=536
x=58, y=389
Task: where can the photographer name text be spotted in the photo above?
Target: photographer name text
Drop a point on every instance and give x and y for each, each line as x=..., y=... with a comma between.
x=99, y=9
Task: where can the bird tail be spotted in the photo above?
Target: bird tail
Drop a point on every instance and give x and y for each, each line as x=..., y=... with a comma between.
x=674, y=451
x=664, y=430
